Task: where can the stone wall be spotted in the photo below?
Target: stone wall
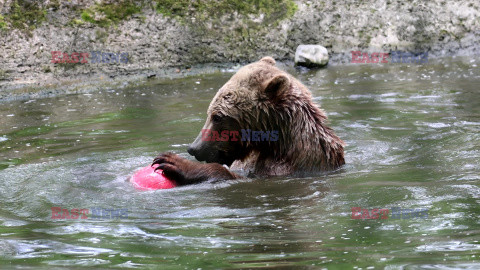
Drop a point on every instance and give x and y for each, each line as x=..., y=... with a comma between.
x=155, y=41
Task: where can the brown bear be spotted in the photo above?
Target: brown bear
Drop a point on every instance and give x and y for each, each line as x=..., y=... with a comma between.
x=264, y=99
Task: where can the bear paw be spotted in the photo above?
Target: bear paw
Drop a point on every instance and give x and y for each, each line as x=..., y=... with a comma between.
x=184, y=171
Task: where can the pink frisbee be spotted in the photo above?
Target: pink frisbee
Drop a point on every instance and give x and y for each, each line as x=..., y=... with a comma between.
x=149, y=179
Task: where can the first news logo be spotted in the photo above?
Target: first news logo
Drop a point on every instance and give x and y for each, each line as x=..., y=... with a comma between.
x=359, y=57
x=96, y=213
x=82, y=58
x=233, y=135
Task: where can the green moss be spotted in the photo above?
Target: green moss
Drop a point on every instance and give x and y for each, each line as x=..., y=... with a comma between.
x=444, y=32
x=173, y=7
x=54, y=4
x=291, y=8
x=3, y=75
x=25, y=15
x=368, y=40
x=109, y=14
x=3, y=24
x=274, y=10
x=76, y=22
x=101, y=36
x=46, y=69
x=87, y=16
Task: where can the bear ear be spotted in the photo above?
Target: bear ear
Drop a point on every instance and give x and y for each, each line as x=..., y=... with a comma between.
x=277, y=86
x=269, y=60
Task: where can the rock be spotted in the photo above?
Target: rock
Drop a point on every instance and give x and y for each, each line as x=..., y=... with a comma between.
x=311, y=56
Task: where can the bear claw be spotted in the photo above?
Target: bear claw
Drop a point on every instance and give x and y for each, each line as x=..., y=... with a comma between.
x=184, y=171
x=170, y=171
x=164, y=158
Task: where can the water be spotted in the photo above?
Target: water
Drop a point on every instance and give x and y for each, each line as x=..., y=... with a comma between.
x=413, y=142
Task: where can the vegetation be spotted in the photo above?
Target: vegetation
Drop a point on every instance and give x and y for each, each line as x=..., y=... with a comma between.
x=24, y=15
x=3, y=24
x=108, y=14
x=3, y=75
x=76, y=22
x=27, y=14
x=204, y=9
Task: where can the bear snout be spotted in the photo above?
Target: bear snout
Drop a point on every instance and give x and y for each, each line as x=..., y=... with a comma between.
x=193, y=151
x=197, y=150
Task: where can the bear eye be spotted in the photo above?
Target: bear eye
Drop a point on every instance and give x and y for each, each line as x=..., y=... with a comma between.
x=216, y=118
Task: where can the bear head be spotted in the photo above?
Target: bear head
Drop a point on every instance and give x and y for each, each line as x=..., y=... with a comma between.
x=253, y=99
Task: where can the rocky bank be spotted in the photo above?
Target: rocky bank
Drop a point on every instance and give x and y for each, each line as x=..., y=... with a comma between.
x=172, y=38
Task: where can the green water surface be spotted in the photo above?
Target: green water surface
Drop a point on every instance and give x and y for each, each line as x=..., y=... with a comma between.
x=413, y=141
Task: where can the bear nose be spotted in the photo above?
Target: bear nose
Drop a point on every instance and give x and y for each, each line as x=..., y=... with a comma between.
x=192, y=151
x=196, y=152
